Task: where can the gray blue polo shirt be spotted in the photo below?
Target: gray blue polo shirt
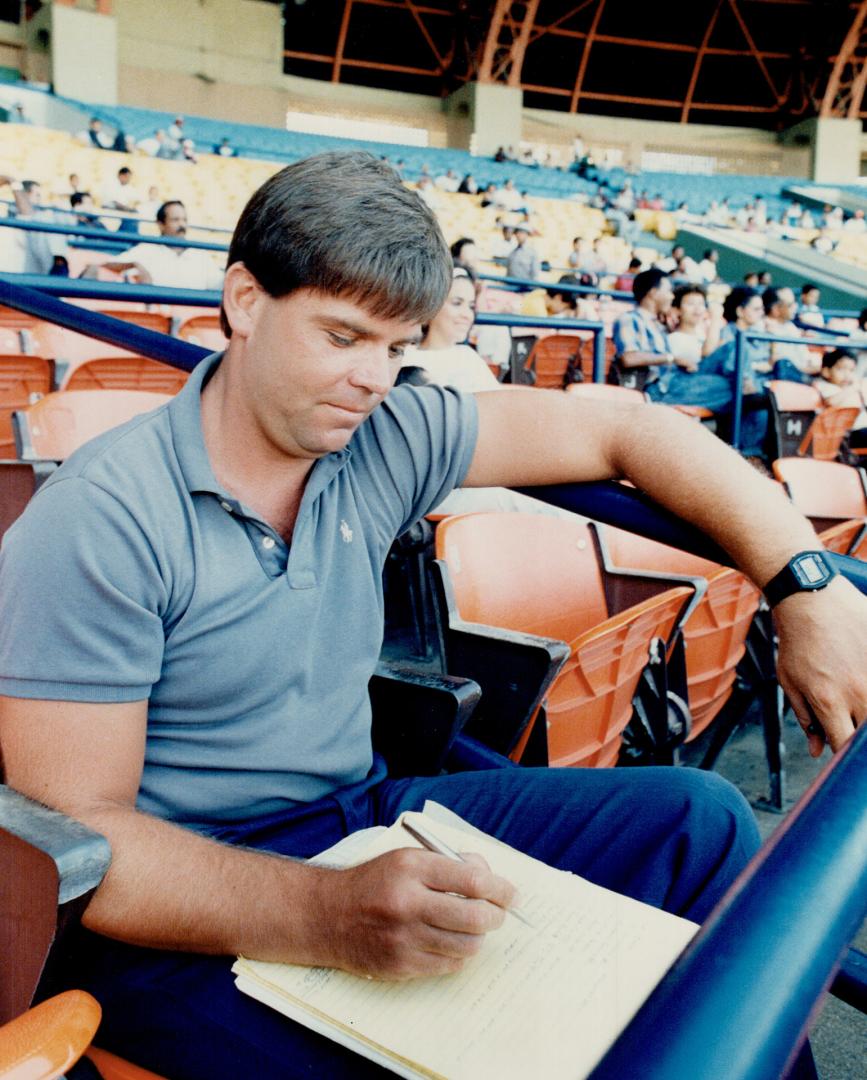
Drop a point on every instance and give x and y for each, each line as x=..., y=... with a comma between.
x=133, y=575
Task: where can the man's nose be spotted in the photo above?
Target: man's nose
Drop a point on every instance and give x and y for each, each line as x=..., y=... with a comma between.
x=375, y=370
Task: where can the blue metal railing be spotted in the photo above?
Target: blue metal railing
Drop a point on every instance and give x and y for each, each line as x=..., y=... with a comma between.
x=103, y=234
x=737, y=1004
x=741, y=338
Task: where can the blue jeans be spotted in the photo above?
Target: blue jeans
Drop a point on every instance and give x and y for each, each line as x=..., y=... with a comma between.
x=714, y=392
x=673, y=837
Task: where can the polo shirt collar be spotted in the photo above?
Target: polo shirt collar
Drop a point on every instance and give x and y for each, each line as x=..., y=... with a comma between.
x=185, y=417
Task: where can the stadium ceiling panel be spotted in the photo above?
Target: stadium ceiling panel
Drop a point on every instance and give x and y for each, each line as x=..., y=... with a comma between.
x=764, y=63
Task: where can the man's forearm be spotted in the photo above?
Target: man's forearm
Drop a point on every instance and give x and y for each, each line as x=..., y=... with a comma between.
x=171, y=888
x=693, y=473
x=637, y=359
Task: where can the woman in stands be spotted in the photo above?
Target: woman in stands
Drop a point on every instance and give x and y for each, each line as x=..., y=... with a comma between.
x=698, y=328
x=444, y=357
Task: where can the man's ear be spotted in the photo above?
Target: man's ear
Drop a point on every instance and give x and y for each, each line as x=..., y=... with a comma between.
x=241, y=296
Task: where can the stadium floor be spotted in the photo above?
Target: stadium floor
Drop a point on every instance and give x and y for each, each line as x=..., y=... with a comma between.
x=840, y=1034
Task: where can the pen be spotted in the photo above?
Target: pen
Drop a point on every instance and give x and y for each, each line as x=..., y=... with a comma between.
x=429, y=841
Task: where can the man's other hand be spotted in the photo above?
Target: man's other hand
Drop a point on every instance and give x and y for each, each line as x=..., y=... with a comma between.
x=823, y=645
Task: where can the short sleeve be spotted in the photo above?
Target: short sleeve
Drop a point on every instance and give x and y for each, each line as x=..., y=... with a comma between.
x=625, y=337
x=415, y=448
x=81, y=599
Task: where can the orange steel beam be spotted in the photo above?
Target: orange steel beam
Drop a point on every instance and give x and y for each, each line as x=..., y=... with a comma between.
x=661, y=46
x=835, y=100
x=341, y=41
x=667, y=103
x=540, y=31
x=585, y=57
x=415, y=12
x=499, y=58
x=699, y=56
x=754, y=51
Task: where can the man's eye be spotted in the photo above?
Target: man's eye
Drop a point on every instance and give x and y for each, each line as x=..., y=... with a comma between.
x=340, y=340
x=397, y=352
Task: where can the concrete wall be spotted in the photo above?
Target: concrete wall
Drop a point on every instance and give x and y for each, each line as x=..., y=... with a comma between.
x=84, y=55
x=834, y=147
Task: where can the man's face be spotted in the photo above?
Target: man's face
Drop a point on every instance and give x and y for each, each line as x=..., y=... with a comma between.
x=124, y=178
x=811, y=297
x=175, y=223
x=315, y=367
x=662, y=295
x=786, y=305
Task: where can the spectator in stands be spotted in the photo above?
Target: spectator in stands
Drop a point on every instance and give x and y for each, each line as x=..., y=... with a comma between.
x=448, y=181
x=781, y=307
x=175, y=133
x=84, y=211
x=468, y=185
x=428, y=193
x=223, y=148
x=29, y=252
x=148, y=207
x=585, y=258
x=465, y=253
x=509, y=198
x=156, y=264
x=766, y=279
x=623, y=282
x=809, y=310
x=188, y=152
x=120, y=194
x=503, y=246
x=669, y=263
x=709, y=266
x=152, y=144
x=210, y=678
x=751, y=279
x=855, y=225
x=523, y=260
x=95, y=136
x=717, y=213
x=839, y=385
x=641, y=342
x=697, y=329
x=744, y=310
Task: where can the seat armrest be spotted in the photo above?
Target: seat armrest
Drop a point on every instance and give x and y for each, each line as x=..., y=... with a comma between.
x=513, y=669
x=49, y=868
x=417, y=715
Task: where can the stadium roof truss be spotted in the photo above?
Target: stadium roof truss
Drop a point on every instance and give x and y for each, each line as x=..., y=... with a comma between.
x=764, y=63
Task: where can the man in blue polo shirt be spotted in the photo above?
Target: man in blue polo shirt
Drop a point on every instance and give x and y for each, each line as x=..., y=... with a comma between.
x=642, y=347
x=191, y=608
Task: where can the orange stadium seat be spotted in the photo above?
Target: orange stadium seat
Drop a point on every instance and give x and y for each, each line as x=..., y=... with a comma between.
x=824, y=438
x=126, y=373
x=716, y=630
x=57, y=425
x=203, y=330
x=539, y=577
x=554, y=361
x=23, y=379
x=828, y=492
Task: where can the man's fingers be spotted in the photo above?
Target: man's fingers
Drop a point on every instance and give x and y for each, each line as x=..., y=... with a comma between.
x=809, y=724
x=472, y=878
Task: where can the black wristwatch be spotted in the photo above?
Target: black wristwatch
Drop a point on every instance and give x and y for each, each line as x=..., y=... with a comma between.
x=805, y=572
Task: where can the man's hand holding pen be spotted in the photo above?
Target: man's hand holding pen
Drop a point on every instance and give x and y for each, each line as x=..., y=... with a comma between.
x=408, y=913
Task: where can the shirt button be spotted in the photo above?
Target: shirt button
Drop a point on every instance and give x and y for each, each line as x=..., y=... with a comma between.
x=268, y=542
x=226, y=506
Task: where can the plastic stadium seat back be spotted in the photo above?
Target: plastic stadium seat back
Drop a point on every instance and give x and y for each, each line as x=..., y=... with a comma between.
x=716, y=630
x=825, y=435
x=126, y=373
x=67, y=346
x=47, y=1040
x=553, y=359
x=527, y=572
x=18, y=483
x=148, y=320
x=590, y=702
x=57, y=425
x=203, y=330
x=823, y=489
x=845, y=538
x=23, y=379
x=10, y=340
x=112, y=1067
x=540, y=575
x=605, y=390
x=793, y=409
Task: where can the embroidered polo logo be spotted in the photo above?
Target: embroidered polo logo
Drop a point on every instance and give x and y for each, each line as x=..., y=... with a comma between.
x=345, y=531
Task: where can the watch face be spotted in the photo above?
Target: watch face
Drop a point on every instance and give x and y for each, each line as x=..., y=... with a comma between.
x=810, y=570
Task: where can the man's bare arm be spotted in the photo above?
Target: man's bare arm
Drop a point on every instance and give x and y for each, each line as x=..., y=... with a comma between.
x=539, y=437
x=169, y=887
x=636, y=359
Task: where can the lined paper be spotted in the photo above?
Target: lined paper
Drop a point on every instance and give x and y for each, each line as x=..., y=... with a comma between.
x=545, y=1001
